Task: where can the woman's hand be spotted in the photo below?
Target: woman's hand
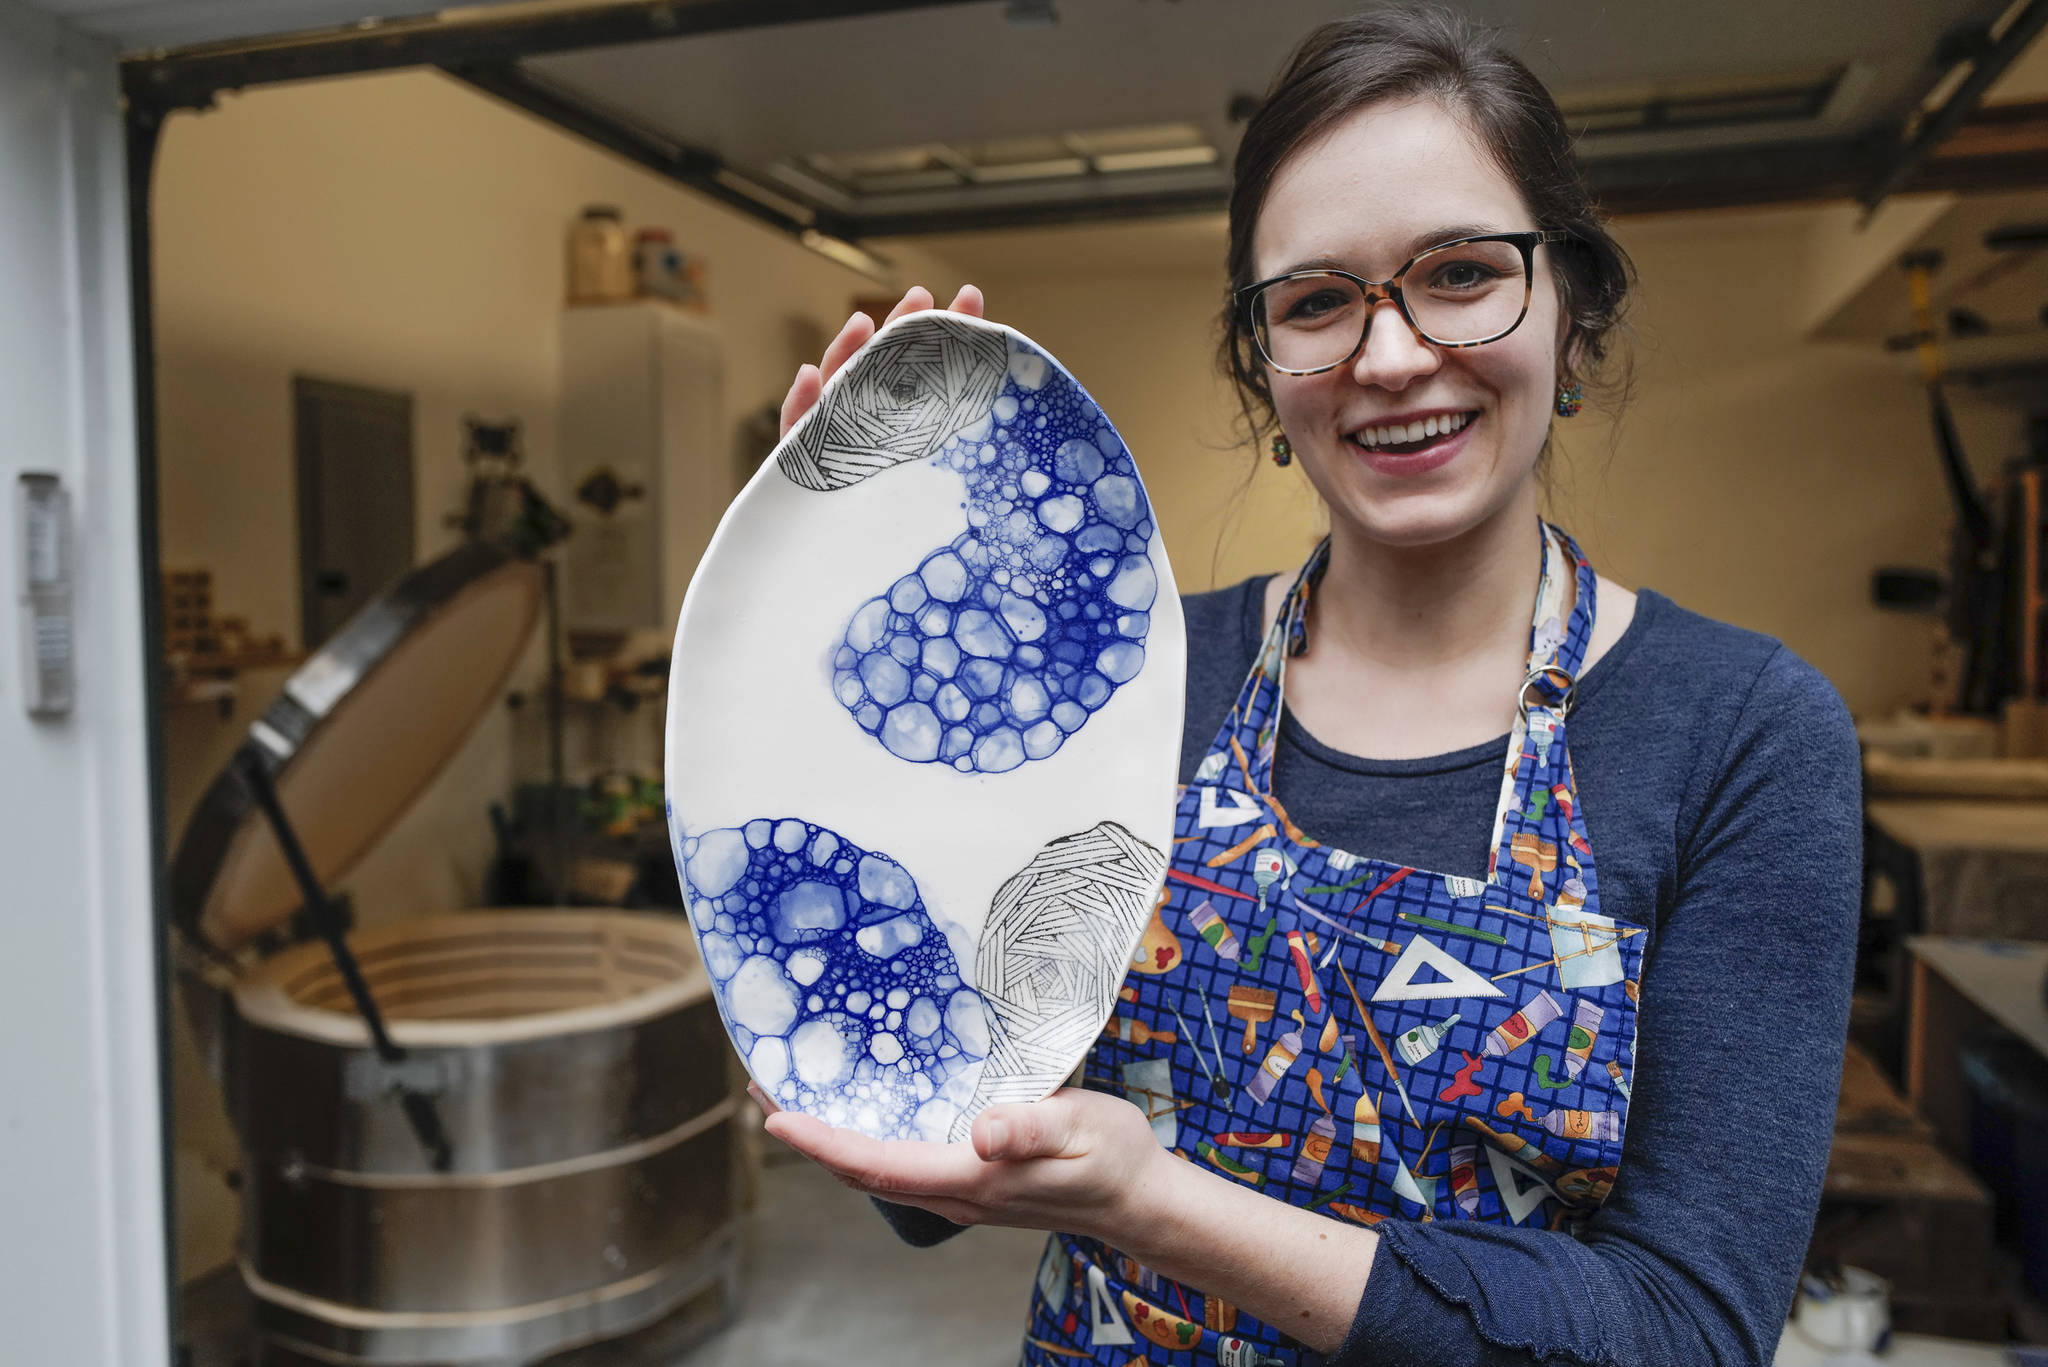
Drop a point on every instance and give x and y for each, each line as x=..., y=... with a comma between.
x=810, y=379
x=1087, y=1163
x=1079, y=1161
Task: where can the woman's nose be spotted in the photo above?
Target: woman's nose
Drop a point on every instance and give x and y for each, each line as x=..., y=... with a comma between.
x=1394, y=354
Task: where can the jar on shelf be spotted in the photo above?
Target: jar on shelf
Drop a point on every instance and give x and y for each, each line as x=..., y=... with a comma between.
x=600, y=259
x=663, y=272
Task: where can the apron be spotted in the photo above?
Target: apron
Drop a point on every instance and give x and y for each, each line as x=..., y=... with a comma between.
x=1367, y=1040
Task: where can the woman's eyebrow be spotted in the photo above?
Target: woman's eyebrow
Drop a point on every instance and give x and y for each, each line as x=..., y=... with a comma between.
x=1421, y=242
x=1436, y=237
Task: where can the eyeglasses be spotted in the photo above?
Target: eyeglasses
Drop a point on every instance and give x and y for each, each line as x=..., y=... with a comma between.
x=1458, y=294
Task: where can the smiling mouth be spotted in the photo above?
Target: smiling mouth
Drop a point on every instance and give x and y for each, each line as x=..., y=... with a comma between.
x=1405, y=439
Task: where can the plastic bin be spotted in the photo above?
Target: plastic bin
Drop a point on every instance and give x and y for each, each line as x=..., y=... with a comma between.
x=2008, y=1084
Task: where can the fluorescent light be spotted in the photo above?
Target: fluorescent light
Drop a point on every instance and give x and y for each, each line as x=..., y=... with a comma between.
x=1160, y=160
x=846, y=254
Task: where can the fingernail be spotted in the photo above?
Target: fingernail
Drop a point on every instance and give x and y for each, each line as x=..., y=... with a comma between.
x=998, y=1136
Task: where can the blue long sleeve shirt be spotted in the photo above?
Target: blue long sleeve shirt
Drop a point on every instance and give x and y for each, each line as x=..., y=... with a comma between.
x=1719, y=778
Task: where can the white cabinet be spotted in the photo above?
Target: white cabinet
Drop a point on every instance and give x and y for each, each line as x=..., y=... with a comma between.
x=646, y=460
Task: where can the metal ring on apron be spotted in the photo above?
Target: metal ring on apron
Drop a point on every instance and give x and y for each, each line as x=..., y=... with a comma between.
x=1549, y=673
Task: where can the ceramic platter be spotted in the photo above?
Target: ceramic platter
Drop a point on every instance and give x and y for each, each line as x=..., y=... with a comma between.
x=924, y=726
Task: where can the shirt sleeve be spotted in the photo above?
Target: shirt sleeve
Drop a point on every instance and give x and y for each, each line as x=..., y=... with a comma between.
x=1745, y=1006
x=915, y=1225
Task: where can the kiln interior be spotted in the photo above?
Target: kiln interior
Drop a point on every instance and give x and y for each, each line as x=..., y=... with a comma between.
x=501, y=965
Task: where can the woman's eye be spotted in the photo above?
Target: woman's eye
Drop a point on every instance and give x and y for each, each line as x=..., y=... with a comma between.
x=1462, y=275
x=1310, y=307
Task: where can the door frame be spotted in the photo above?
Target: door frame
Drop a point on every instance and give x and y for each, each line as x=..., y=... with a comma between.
x=85, y=1264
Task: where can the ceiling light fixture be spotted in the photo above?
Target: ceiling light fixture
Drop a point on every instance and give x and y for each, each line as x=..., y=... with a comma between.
x=1031, y=13
x=848, y=255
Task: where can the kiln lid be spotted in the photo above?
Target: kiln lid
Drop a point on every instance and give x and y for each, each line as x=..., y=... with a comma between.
x=360, y=730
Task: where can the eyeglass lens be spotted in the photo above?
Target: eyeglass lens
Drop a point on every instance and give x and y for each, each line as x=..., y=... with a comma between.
x=1461, y=292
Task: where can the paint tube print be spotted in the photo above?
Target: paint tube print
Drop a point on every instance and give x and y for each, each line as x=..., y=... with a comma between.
x=1578, y=1050
x=1267, y=869
x=1236, y=1352
x=1215, y=931
x=1279, y=1059
x=1523, y=1026
x=1315, y=1151
x=1465, y=1176
x=1416, y=1044
x=1604, y=1126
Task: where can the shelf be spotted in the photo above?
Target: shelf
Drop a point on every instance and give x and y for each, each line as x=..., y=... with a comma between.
x=215, y=680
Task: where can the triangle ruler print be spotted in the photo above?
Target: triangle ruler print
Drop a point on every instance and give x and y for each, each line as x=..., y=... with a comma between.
x=1516, y=1199
x=1453, y=978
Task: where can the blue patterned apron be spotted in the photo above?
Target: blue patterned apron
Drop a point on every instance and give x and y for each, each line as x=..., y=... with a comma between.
x=1364, y=1039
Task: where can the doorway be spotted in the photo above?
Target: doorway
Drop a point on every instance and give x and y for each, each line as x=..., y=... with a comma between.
x=355, y=495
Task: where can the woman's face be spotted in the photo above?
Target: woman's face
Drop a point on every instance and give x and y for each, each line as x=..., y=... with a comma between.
x=1384, y=184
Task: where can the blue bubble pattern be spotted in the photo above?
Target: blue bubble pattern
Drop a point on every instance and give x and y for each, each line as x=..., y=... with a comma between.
x=1001, y=645
x=836, y=986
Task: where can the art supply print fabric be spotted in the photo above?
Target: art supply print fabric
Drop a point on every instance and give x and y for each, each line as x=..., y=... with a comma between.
x=1367, y=1040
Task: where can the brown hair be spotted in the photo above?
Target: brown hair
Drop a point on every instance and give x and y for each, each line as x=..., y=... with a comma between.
x=1424, y=51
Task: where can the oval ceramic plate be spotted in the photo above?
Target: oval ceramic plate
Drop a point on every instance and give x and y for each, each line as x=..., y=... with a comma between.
x=923, y=735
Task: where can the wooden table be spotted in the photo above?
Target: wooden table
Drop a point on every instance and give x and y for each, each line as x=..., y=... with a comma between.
x=1965, y=866
x=1995, y=825
x=1906, y=1350
x=1961, y=985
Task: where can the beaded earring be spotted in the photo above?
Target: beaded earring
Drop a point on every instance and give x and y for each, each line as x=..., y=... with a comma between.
x=1283, y=454
x=1570, y=399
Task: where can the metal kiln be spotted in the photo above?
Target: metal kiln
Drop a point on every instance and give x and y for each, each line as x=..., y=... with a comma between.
x=542, y=1152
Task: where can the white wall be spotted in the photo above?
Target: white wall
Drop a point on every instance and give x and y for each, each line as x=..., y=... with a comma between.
x=82, y=1266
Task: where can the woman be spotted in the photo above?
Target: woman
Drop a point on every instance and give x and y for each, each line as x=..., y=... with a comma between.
x=1562, y=1096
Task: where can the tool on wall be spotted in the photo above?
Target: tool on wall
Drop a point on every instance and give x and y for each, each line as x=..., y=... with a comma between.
x=1971, y=512
x=1976, y=585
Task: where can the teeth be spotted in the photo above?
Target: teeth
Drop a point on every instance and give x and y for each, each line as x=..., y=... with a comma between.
x=1403, y=433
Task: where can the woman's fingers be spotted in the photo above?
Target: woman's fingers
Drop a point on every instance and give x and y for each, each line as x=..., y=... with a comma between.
x=968, y=301
x=1009, y=1133
x=1043, y=1129
x=851, y=338
x=916, y=299
x=810, y=379
x=803, y=394
x=884, y=1167
x=761, y=1099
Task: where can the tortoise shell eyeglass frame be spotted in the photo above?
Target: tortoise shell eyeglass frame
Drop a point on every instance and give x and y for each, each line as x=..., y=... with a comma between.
x=1376, y=291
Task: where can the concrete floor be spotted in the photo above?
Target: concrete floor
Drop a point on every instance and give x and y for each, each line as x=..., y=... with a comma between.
x=826, y=1283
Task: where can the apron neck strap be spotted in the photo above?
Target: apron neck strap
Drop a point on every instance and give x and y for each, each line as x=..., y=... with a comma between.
x=1557, y=648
